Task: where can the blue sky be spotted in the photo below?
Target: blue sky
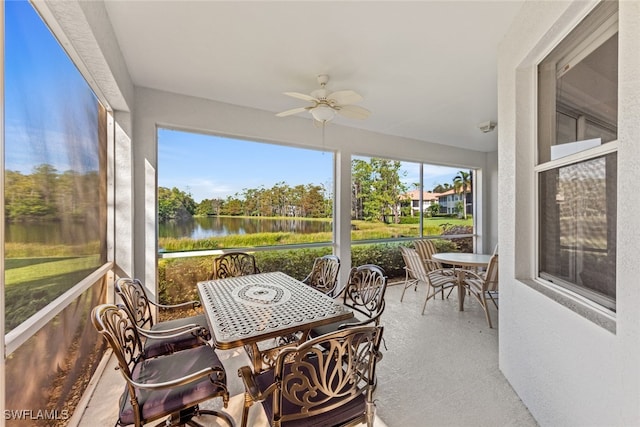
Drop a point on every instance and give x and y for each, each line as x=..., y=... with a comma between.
x=49, y=108
x=208, y=166
x=215, y=167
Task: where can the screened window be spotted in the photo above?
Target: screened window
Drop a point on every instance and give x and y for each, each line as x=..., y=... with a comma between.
x=54, y=168
x=393, y=199
x=577, y=159
x=218, y=193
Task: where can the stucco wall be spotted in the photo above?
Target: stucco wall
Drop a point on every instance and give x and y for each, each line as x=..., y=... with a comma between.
x=568, y=370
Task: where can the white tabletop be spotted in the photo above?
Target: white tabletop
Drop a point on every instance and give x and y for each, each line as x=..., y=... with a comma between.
x=246, y=309
x=463, y=259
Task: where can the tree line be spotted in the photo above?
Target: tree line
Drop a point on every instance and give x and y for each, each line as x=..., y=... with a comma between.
x=48, y=194
x=304, y=201
x=378, y=194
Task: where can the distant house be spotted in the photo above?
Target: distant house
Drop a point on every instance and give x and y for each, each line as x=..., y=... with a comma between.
x=449, y=200
x=428, y=199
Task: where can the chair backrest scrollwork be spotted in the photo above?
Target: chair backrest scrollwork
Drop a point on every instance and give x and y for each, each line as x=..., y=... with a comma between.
x=136, y=301
x=324, y=274
x=115, y=325
x=327, y=372
x=233, y=264
x=365, y=291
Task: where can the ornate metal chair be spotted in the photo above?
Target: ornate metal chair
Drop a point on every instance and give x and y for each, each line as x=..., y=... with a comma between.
x=162, y=337
x=326, y=381
x=484, y=284
x=172, y=385
x=416, y=272
x=324, y=275
x=364, y=294
x=233, y=264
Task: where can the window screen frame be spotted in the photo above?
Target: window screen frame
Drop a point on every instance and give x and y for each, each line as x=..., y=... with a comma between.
x=591, y=33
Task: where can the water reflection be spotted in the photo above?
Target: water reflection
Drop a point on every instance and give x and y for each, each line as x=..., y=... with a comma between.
x=202, y=228
x=51, y=232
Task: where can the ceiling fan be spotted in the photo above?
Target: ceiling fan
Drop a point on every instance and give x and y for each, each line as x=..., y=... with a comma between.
x=325, y=104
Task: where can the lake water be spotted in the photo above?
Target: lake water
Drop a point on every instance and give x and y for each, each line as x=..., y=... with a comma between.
x=202, y=228
x=67, y=233
x=51, y=233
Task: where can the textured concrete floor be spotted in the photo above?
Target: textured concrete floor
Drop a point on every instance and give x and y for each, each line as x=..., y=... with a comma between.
x=440, y=369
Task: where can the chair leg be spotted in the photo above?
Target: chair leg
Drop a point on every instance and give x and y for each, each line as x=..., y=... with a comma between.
x=370, y=413
x=407, y=283
x=493, y=300
x=245, y=410
x=429, y=295
x=483, y=301
x=450, y=290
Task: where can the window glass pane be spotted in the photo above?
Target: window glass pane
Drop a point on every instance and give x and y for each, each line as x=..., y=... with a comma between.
x=381, y=200
x=216, y=193
x=578, y=227
x=589, y=88
x=578, y=88
x=385, y=201
x=566, y=128
x=54, y=179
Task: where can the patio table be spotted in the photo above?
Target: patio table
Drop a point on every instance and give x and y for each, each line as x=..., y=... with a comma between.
x=461, y=259
x=245, y=310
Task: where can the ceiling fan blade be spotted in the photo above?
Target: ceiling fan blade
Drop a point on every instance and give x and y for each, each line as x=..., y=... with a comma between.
x=353, y=111
x=291, y=112
x=345, y=97
x=302, y=96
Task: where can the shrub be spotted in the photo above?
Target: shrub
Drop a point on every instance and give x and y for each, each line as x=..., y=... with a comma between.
x=177, y=277
x=462, y=244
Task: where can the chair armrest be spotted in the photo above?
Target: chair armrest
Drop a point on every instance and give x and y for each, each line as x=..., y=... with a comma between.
x=469, y=274
x=179, y=381
x=251, y=387
x=432, y=265
x=173, y=332
x=306, y=279
x=373, y=319
x=193, y=304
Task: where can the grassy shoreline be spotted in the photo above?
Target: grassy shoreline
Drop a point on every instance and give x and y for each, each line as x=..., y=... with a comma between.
x=362, y=230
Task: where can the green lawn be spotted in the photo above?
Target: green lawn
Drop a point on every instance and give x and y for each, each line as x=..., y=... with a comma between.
x=32, y=283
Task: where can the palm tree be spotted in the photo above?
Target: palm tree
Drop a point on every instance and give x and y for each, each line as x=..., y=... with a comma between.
x=461, y=183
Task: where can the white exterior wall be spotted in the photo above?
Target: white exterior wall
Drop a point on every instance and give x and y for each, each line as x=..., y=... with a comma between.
x=567, y=370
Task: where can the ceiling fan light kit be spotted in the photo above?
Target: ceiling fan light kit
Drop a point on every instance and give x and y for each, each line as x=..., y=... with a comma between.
x=325, y=104
x=323, y=113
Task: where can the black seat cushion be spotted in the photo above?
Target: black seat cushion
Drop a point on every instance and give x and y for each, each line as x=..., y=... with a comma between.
x=326, y=329
x=157, y=347
x=156, y=403
x=338, y=416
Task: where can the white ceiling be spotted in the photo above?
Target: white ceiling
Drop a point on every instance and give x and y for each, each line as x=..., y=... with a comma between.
x=426, y=69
